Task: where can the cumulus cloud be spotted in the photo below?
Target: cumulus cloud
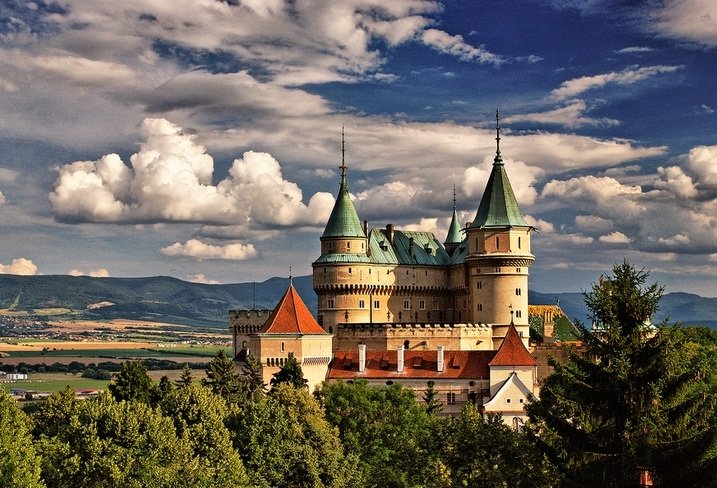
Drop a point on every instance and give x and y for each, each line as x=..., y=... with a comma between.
x=674, y=180
x=170, y=180
x=591, y=192
x=522, y=179
x=571, y=88
x=615, y=238
x=19, y=266
x=543, y=226
x=692, y=20
x=571, y=115
x=196, y=249
x=593, y=223
x=97, y=273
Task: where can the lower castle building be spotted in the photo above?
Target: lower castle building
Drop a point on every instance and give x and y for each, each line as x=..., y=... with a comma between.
x=404, y=306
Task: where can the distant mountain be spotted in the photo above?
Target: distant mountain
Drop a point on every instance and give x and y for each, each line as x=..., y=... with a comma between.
x=686, y=308
x=158, y=298
x=162, y=298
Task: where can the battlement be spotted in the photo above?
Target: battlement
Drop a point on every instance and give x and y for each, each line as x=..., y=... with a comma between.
x=413, y=325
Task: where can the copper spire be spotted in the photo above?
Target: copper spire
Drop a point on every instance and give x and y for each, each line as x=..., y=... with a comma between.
x=343, y=166
x=498, y=159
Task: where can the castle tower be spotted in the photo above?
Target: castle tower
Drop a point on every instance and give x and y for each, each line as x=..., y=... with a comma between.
x=344, y=247
x=454, y=237
x=499, y=256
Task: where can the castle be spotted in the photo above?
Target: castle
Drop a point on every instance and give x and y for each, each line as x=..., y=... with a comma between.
x=402, y=306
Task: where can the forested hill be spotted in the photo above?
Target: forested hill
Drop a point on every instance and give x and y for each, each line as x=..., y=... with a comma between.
x=168, y=299
x=159, y=298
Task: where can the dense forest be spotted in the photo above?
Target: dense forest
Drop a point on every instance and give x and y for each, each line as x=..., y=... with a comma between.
x=637, y=401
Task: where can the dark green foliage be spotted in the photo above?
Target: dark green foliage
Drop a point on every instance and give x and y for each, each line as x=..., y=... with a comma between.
x=285, y=441
x=290, y=374
x=481, y=451
x=384, y=427
x=19, y=465
x=430, y=397
x=223, y=377
x=54, y=412
x=253, y=377
x=636, y=398
x=185, y=378
x=133, y=383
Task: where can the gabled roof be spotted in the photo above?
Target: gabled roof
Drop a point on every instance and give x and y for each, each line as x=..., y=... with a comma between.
x=416, y=365
x=512, y=351
x=291, y=316
x=344, y=221
x=406, y=247
x=494, y=404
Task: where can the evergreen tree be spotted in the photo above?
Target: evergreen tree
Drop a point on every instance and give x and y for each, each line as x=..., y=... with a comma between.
x=185, y=378
x=430, y=397
x=165, y=386
x=223, y=377
x=634, y=400
x=253, y=377
x=290, y=374
x=133, y=383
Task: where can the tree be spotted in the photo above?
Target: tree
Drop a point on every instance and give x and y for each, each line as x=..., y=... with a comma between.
x=384, y=426
x=222, y=376
x=253, y=377
x=285, y=442
x=54, y=412
x=19, y=464
x=290, y=374
x=108, y=443
x=133, y=383
x=430, y=397
x=634, y=400
x=199, y=416
x=185, y=377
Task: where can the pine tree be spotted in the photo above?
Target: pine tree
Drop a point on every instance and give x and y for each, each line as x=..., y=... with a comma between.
x=133, y=383
x=253, y=377
x=632, y=401
x=290, y=373
x=223, y=377
x=433, y=406
x=185, y=378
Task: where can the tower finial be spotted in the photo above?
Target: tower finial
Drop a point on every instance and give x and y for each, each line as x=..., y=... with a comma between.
x=291, y=278
x=343, y=156
x=498, y=158
x=454, y=197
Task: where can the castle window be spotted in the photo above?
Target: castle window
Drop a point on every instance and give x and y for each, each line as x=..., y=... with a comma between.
x=362, y=304
x=518, y=242
x=436, y=305
x=324, y=272
x=518, y=292
x=518, y=313
x=497, y=270
x=450, y=398
x=376, y=304
x=282, y=346
x=407, y=304
x=480, y=307
x=507, y=400
x=426, y=272
x=497, y=242
x=421, y=304
x=331, y=303
x=517, y=270
x=331, y=330
x=348, y=245
x=479, y=285
x=349, y=270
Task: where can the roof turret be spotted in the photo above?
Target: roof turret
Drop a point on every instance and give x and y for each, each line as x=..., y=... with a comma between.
x=498, y=207
x=344, y=221
x=454, y=230
x=512, y=351
x=291, y=316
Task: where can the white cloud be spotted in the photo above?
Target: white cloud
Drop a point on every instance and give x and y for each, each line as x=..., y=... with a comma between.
x=201, y=278
x=522, y=179
x=593, y=223
x=194, y=248
x=571, y=88
x=606, y=194
x=676, y=240
x=615, y=238
x=171, y=181
x=97, y=273
x=702, y=161
x=692, y=20
x=19, y=266
x=707, y=109
x=676, y=182
x=456, y=46
x=571, y=115
x=634, y=50
x=543, y=226
x=2, y=199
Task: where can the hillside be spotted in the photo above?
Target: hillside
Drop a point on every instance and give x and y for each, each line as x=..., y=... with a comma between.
x=168, y=299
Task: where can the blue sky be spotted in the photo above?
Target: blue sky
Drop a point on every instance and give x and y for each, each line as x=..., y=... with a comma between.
x=201, y=138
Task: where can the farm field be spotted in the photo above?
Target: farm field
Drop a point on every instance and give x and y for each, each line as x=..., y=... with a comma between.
x=53, y=382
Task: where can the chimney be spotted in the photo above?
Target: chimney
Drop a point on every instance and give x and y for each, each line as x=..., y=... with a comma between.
x=362, y=358
x=439, y=359
x=365, y=227
x=389, y=233
x=410, y=247
x=400, y=359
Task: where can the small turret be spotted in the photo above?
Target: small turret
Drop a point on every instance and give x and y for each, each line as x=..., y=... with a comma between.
x=454, y=237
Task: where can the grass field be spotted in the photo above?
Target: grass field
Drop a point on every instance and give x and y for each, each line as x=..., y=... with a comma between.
x=52, y=382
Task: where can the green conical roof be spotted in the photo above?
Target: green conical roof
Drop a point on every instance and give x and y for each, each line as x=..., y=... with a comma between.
x=454, y=230
x=344, y=221
x=498, y=207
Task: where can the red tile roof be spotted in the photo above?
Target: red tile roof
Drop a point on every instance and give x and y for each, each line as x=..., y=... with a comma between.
x=416, y=365
x=291, y=316
x=513, y=352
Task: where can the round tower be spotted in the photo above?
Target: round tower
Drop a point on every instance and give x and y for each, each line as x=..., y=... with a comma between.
x=499, y=256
